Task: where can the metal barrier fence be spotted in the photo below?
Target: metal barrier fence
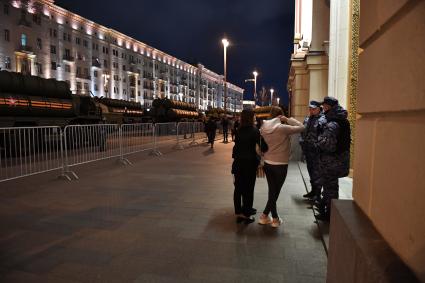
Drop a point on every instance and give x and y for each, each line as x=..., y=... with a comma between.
x=164, y=132
x=137, y=138
x=29, y=151
x=34, y=150
x=89, y=143
x=199, y=132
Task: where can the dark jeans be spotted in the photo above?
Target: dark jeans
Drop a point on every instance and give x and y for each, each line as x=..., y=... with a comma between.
x=243, y=196
x=211, y=137
x=276, y=175
x=225, y=130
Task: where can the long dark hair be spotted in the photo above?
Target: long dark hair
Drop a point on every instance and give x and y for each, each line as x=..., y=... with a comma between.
x=247, y=118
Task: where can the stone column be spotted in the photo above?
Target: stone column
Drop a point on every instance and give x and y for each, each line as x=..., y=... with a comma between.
x=339, y=50
x=317, y=64
x=300, y=90
x=389, y=157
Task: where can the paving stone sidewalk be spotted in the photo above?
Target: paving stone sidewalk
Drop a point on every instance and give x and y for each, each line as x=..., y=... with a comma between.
x=163, y=219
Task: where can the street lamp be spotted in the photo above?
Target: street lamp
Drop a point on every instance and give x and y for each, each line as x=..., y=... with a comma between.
x=255, y=73
x=271, y=97
x=225, y=44
x=278, y=99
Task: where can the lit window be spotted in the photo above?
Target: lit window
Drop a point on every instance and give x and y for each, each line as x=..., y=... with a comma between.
x=24, y=39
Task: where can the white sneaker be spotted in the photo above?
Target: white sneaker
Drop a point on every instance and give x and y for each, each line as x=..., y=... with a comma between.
x=264, y=220
x=275, y=223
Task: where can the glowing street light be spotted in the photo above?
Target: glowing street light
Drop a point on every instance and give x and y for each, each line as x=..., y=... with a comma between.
x=225, y=45
x=271, y=97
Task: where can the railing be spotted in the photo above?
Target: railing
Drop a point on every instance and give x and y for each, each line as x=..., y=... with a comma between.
x=164, y=132
x=34, y=150
x=29, y=151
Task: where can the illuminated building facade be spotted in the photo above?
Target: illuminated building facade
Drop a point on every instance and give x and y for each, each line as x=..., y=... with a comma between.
x=43, y=39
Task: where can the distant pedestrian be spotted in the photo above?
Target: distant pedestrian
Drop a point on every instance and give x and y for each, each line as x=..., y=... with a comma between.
x=225, y=126
x=235, y=128
x=210, y=129
x=333, y=144
x=276, y=132
x=313, y=126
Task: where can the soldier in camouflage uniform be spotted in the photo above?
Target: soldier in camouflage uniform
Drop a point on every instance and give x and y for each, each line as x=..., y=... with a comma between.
x=313, y=125
x=334, y=146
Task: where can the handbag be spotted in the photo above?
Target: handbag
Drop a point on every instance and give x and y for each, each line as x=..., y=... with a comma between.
x=260, y=169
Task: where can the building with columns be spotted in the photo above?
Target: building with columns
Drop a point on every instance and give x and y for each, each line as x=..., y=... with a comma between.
x=40, y=38
x=368, y=55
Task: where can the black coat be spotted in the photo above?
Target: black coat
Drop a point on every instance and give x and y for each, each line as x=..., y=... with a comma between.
x=244, y=150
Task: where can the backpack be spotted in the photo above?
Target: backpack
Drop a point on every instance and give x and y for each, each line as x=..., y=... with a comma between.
x=344, y=136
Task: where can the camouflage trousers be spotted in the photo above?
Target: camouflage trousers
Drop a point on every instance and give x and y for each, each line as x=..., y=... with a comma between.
x=313, y=168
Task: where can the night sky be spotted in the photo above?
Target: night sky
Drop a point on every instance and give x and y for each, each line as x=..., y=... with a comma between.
x=260, y=33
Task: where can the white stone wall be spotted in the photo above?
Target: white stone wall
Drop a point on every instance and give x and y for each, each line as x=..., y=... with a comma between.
x=339, y=44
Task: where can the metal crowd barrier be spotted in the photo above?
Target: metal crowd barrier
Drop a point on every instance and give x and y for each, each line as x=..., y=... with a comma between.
x=29, y=151
x=89, y=143
x=163, y=133
x=136, y=138
x=184, y=134
x=199, y=132
x=33, y=150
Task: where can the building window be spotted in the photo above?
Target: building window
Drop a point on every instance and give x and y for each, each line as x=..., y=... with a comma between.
x=53, y=65
x=53, y=49
x=53, y=33
x=6, y=35
x=64, y=36
x=95, y=74
x=7, y=63
x=39, y=68
x=6, y=9
x=86, y=86
x=123, y=67
x=95, y=87
x=39, y=43
x=85, y=43
x=78, y=85
x=67, y=68
x=77, y=40
x=105, y=63
x=36, y=19
x=23, y=40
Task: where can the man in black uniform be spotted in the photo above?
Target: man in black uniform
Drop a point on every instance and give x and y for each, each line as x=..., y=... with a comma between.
x=313, y=125
x=333, y=144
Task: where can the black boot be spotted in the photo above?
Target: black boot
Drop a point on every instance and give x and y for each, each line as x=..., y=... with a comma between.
x=309, y=194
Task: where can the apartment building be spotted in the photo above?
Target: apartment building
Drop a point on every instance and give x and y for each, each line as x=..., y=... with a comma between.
x=42, y=39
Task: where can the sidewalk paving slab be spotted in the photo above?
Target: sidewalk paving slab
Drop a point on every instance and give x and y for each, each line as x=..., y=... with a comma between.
x=163, y=219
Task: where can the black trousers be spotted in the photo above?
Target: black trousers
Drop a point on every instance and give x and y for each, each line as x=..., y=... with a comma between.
x=225, y=133
x=211, y=136
x=276, y=175
x=245, y=176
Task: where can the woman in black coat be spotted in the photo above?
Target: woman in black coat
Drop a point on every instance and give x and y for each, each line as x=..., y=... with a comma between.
x=244, y=167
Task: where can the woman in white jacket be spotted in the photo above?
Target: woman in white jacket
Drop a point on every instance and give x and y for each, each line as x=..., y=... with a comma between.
x=276, y=132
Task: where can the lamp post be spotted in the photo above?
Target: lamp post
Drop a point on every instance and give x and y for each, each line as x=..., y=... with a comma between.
x=255, y=73
x=271, y=97
x=225, y=44
x=278, y=99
